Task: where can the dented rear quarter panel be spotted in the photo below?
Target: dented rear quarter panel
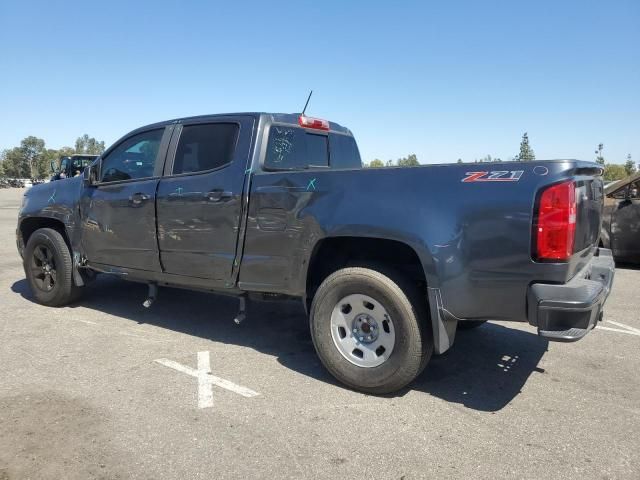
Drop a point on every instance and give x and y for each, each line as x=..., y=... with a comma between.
x=474, y=239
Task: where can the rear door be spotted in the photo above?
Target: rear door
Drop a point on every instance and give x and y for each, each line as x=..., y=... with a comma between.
x=199, y=199
x=625, y=221
x=118, y=212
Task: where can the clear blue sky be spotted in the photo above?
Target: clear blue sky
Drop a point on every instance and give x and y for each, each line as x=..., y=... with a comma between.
x=444, y=79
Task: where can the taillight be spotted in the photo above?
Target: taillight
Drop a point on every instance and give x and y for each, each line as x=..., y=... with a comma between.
x=315, y=123
x=556, y=226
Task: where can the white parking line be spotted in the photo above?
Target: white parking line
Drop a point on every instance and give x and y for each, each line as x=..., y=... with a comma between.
x=206, y=380
x=88, y=322
x=205, y=390
x=626, y=327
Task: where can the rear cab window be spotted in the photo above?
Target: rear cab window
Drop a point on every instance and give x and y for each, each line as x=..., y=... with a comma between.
x=205, y=147
x=294, y=148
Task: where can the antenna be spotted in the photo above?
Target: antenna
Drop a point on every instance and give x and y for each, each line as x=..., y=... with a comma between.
x=306, y=104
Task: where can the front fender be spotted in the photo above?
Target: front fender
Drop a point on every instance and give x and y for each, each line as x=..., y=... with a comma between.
x=56, y=200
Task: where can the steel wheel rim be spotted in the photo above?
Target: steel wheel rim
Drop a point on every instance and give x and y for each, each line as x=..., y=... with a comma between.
x=362, y=330
x=43, y=268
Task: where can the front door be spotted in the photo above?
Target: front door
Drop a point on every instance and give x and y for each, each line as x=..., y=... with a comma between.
x=200, y=198
x=118, y=212
x=625, y=222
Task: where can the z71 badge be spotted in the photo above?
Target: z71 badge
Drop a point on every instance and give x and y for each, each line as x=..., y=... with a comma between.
x=497, y=176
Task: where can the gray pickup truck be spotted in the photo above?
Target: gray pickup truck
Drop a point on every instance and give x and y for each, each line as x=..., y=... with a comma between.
x=387, y=262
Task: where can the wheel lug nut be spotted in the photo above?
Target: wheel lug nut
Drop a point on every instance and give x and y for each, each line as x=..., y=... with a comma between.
x=355, y=330
x=369, y=337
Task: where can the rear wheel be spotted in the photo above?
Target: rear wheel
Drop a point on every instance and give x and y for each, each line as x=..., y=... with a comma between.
x=49, y=268
x=370, y=329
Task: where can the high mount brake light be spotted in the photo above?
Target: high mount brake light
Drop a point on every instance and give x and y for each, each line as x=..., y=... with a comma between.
x=314, y=123
x=556, y=226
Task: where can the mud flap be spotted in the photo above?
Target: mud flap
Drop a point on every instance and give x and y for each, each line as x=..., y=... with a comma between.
x=77, y=277
x=444, y=327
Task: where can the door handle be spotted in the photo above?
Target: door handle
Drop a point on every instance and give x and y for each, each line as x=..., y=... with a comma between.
x=217, y=195
x=138, y=198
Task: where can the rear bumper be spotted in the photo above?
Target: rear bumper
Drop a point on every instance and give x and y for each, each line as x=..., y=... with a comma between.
x=567, y=312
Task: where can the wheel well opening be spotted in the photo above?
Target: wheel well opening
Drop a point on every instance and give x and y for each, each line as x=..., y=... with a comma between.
x=30, y=225
x=332, y=254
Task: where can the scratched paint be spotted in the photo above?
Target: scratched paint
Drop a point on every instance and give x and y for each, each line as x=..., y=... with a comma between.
x=312, y=183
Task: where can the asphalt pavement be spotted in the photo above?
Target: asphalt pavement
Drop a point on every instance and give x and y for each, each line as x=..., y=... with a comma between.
x=107, y=389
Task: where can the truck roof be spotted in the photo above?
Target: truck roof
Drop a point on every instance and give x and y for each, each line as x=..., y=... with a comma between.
x=287, y=118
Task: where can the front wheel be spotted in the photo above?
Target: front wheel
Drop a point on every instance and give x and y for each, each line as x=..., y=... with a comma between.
x=49, y=268
x=370, y=329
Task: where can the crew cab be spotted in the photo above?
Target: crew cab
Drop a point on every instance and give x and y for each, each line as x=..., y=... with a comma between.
x=387, y=261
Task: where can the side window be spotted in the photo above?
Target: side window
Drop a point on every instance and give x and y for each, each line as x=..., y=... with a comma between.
x=631, y=191
x=621, y=194
x=205, y=147
x=64, y=163
x=292, y=148
x=134, y=158
x=344, y=152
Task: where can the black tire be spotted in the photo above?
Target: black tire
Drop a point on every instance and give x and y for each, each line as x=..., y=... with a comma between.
x=413, y=344
x=470, y=324
x=47, y=247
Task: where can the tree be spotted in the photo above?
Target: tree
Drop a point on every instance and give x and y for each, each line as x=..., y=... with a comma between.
x=629, y=166
x=614, y=171
x=598, y=152
x=526, y=152
x=488, y=159
x=66, y=151
x=409, y=161
x=32, y=149
x=459, y=160
x=89, y=145
x=24, y=161
x=376, y=163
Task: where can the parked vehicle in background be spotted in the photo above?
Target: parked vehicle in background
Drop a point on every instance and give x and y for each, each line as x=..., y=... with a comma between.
x=4, y=183
x=18, y=182
x=386, y=261
x=621, y=219
x=71, y=166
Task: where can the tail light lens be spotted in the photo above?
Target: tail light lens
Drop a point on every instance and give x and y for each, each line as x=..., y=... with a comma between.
x=556, y=226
